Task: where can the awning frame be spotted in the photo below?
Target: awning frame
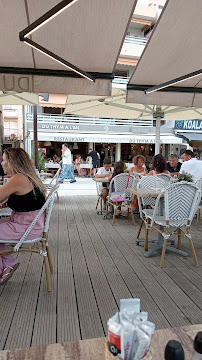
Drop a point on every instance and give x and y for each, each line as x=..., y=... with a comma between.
x=51, y=72
x=144, y=88
x=39, y=22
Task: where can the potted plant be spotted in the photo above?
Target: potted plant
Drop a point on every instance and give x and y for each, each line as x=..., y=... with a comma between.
x=41, y=165
x=185, y=177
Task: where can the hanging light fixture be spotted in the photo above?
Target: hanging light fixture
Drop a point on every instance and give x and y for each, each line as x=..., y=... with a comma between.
x=75, y=147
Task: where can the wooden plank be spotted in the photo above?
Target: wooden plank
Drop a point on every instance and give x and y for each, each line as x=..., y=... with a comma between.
x=44, y=326
x=10, y=296
x=131, y=279
x=90, y=322
x=106, y=302
x=68, y=328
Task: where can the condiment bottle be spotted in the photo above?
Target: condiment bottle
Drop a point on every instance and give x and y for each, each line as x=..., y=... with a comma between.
x=197, y=353
x=174, y=351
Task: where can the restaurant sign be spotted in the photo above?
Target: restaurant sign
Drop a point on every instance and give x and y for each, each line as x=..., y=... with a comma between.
x=188, y=125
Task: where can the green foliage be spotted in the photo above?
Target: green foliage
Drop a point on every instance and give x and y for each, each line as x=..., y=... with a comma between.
x=41, y=165
x=185, y=177
x=126, y=170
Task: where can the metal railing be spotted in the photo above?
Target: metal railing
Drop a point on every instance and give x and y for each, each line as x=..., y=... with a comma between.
x=120, y=80
x=136, y=40
x=83, y=120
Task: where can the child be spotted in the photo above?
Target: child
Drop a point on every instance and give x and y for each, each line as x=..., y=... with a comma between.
x=105, y=172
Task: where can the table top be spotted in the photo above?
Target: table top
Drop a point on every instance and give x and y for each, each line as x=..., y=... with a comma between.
x=94, y=349
x=102, y=180
x=145, y=192
x=51, y=165
x=86, y=166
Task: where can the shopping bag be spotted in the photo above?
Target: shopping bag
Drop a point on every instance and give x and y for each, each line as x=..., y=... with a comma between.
x=119, y=196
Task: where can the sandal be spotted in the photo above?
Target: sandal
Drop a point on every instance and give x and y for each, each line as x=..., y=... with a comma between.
x=6, y=276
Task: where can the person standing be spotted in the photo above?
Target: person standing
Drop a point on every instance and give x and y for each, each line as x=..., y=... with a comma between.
x=66, y=165
x=191, y=165
x=95, y=158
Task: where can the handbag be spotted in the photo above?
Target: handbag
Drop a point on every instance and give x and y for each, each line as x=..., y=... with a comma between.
x=119, y=196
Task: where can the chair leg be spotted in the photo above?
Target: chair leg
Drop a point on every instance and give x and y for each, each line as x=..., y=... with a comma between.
x=47, y=271
x=106, y=211
x=100, y=203
x=48, y=253
x=114, y=215
x=192, y=248
x=179, y=238
x=140, y=228
x=146, y=236
x=49, y=259
x=198, y=216
x=97, y=202
x=57, y=196
x=132, y=216
x=163, y=252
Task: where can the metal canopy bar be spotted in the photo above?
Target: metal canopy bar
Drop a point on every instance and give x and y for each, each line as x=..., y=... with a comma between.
x=51, y=72
x=169, y=89
x=57, y=58
x=49, y=15
x=174, y=81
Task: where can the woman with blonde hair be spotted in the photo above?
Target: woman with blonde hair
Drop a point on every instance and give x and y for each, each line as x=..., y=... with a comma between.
x=26, y=195
x=139, y=168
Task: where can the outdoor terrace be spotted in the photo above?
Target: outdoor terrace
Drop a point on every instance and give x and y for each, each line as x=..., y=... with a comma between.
x=95, y=265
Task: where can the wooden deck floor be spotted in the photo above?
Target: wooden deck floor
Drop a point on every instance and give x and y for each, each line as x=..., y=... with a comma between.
x=95, y=265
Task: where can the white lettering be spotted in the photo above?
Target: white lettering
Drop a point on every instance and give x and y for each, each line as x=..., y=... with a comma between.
x=185, y=124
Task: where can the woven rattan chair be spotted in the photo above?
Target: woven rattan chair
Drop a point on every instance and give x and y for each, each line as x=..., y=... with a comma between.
x=181, y=201
x=119, y=183
x=149, y=182
x=54, y=182
x=39, y=245
x=199, y=185
x=99, y=197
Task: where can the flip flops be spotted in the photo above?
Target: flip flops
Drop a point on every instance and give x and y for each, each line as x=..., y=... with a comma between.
x=6, y=276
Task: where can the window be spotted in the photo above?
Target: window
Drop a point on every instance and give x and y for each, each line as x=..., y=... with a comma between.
x=10, y=127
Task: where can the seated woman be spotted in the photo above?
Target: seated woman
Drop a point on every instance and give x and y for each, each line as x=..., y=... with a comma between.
x=78, y=163
x=139, y=168
x=26, y=195
x=158, y=165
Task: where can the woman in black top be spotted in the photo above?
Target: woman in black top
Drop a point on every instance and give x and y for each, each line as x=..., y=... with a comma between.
x=26, y=195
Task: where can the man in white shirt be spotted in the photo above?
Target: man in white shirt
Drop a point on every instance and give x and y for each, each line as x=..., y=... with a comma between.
x=66, y=165
x=191, y=165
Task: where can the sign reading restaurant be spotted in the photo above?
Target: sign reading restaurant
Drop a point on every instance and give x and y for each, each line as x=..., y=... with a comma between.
x=188, y=125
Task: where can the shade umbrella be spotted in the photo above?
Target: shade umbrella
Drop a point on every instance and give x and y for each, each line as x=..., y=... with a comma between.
x=89, y=35
x=115, y=107
x=16, y=98
x=172, y=51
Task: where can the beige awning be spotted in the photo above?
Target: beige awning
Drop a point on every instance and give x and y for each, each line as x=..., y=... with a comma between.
x=115, y=107
x=89, y=34
x=173, y=50
x=13, y=98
